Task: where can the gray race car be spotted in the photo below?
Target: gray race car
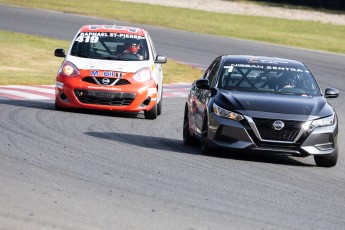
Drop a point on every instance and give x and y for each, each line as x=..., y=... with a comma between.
x=262, y=104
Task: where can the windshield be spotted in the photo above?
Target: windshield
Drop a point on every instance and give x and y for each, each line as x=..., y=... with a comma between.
x=111, y=46
x=268, y=78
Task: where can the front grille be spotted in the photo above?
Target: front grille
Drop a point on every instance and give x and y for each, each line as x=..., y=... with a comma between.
x=267, y=132
x=104, y=97
x=111, y=82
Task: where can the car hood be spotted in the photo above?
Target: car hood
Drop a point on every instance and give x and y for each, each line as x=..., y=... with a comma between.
x=113, y=65
x=274, y=105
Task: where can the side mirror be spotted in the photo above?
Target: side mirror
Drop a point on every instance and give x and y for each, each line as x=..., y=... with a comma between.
x=203, y=84
x=161, y=59
x=331, y=93
x=59, y=53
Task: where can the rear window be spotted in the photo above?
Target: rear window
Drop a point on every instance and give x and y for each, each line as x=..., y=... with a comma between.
x=110, y=46
x=268, y=78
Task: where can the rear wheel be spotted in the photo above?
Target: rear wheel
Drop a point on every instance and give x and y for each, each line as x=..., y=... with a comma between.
x=187, y=138
x=151, y=114
x=327, y=160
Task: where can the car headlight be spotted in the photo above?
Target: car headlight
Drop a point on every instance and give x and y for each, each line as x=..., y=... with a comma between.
x=143, y=75
x=327, y=121
x=69, y=70
x=226, y=113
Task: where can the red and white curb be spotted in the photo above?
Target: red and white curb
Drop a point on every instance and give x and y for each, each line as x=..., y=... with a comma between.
x=176, y=90
x=46, y=92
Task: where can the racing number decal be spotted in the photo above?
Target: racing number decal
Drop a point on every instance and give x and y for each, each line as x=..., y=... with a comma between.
x=94, y=37
x=91, y=39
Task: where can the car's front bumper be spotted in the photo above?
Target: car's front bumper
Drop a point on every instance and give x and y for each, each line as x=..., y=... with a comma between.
x=230, y=134
x=129, y=98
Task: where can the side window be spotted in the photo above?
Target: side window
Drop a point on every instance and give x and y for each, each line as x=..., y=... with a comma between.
x=213, y=75
x=209, y=70
x=152, y=48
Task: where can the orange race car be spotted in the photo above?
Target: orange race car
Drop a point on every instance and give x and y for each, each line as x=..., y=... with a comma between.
x=111, y=67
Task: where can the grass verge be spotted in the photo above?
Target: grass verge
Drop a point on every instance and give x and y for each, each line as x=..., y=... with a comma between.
x=29, y=60
x=306, y=34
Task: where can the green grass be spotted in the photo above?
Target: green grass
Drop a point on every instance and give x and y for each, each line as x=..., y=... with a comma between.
x=29, y=60
x=305, y=34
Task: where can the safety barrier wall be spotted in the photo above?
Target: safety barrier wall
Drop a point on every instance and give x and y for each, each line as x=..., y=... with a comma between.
x=324, y=4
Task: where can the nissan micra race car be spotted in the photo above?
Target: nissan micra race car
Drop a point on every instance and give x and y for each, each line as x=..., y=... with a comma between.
x=111, y=67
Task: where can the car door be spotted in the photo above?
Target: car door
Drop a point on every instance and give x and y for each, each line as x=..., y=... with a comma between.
x=203, y=95
x=157, y=70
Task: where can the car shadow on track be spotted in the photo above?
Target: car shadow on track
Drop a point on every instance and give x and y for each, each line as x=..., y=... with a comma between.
x=157, y=143
x=49, y=105
x=44, y=104
x=174, y=145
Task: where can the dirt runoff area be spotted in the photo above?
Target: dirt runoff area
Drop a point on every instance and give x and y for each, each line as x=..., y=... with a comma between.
x=250, y=9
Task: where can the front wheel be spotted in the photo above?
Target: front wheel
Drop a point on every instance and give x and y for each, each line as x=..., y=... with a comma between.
x=159, y=105
x=187, y=138
x=151, y=114
x=204, y=142
x=327, y=160
x=59, y=108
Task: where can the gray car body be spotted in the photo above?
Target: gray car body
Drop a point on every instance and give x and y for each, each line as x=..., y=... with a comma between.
x=264, y=108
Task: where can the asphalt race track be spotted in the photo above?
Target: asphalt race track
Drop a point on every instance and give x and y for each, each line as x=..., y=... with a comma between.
x=93, y=170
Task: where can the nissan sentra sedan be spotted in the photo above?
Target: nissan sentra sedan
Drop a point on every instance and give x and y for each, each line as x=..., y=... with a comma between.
x=262, y=104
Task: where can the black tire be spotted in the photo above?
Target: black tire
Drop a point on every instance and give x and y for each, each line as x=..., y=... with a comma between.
x=187, y=138
x=151, y=114
x=204, y=141
x=159, y=105
x=58, y=108
x=327, y=160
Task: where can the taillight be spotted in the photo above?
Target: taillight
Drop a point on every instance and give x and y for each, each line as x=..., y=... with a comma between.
x=69, y=70
x=143, y=75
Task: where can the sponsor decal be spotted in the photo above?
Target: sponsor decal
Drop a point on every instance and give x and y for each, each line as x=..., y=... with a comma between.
x=266, y=61
x=253, y=60
x=249, y=66
x=265, y=67
x=59, y=85
x=283, y=68
x=100, y=73
x=104, y=87
x=125, y=28
x=133, y=36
